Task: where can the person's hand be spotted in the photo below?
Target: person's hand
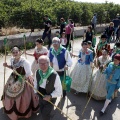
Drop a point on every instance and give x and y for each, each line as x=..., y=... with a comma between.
x=92, y=65
x=30, y=80
x=80, y=59
x=36, y=97
x=66, y=67
x=5, y=64
x=116, y=90
x=101, y=67
x=47, y=98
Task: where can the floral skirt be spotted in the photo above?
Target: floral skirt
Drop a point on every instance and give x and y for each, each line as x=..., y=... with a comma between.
x=22, y=105
x=98, y=86
x=81, y=77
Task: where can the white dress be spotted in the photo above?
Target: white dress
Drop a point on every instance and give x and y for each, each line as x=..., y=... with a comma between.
x=37, y=54
x=99, y=79
x=81, y=76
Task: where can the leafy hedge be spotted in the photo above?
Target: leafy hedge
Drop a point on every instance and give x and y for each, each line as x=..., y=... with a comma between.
x=29, y=13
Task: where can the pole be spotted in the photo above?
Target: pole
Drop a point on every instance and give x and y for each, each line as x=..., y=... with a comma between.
x=41, y=94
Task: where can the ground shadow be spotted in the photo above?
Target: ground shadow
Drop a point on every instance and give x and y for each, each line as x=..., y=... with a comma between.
x=92, y=112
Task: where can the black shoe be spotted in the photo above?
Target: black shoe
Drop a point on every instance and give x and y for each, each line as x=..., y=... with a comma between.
x=101, y=113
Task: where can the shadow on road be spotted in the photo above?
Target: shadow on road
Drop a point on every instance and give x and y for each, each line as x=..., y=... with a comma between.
x=93, y=109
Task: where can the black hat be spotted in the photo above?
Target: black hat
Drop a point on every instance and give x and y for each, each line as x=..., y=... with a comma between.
x=39, y=40
x=103, y=36
x=84, y=43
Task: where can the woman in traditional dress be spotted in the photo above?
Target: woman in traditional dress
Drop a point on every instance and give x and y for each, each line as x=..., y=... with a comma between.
x=82, y=70
x=39, y=50
x=19, y=100
x=99, y=78
x=102, y=45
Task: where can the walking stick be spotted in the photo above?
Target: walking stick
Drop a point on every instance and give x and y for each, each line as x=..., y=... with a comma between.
x=24, y=38
x=5, y=42
x=41, y=94
x=91, y=95
x=90, y=80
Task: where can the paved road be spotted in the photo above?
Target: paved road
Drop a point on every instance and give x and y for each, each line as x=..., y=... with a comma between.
x=72, y=105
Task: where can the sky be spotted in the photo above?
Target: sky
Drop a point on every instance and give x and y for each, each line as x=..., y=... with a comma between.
x=99, y=1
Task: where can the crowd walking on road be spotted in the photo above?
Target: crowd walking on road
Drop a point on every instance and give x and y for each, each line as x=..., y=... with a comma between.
x=35, y=88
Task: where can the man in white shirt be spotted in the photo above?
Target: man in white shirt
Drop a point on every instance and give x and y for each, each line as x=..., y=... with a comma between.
x=47, y=81
x=60, y=60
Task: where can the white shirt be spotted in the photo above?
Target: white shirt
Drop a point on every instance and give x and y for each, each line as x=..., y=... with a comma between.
x=57, y=85
x=23, y=63
x=67, y=58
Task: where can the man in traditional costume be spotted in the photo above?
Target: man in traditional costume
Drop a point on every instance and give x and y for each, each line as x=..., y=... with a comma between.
x=60, y=60
x=48, y=83
x=102, y=45
x=19, y=100
x=113, y=80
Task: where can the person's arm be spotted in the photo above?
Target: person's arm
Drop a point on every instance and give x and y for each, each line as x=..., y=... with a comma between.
x=72, y=29
x=60, y=40
x=8, y=66
x=84, y=35
x=105, y=71
x=118, y=84
x=64, y=26
x=65, y=40
x=91, y=60
x=27, y=68
x=29, y=54
x=91, y=57
x=58, y=88
x=35, y=83
x=49, y=25
x=68, y=59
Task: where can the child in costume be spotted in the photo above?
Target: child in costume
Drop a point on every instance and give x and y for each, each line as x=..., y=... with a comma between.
x=39, y=50
x=102, y=45
x=63, y=40
x=113, y=80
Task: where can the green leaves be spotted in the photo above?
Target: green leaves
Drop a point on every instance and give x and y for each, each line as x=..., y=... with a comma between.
x=29, y=13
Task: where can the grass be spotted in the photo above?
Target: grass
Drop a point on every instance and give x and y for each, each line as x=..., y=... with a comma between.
x=13, y=31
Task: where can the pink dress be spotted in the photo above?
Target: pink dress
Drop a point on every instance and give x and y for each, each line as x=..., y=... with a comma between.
x=68, y=28
x=19, y=98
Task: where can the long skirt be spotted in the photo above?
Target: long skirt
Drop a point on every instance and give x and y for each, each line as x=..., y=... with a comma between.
x=98, y=86
x=21, y=106
x=81, y=77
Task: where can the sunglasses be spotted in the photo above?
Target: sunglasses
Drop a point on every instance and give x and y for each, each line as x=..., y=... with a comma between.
x=55, y=42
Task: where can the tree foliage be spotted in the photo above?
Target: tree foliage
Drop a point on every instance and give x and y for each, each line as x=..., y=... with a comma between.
x=29, y=13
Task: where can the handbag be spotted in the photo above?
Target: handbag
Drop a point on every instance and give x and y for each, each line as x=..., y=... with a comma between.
x=67, y=81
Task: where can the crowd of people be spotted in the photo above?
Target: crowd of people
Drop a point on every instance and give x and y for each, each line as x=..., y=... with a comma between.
x=48, y=71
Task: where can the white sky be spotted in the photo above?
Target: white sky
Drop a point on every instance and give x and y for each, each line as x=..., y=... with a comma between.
x=100, y=1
